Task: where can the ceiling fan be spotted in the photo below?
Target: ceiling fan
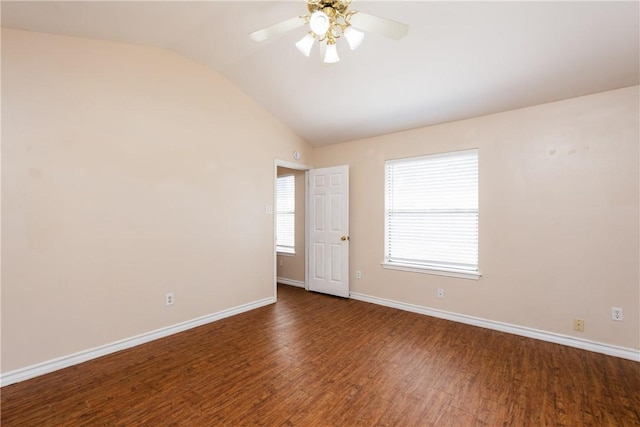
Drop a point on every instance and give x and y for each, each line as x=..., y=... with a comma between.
x=329, y=20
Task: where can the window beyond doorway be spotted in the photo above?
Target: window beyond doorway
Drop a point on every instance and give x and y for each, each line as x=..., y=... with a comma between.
x=285, y=214
x=431, y=213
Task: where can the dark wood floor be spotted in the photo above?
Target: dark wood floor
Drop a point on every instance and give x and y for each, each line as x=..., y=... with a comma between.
x=317, y=360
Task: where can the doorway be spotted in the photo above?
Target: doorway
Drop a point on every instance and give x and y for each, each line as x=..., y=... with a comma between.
x=322, y=224
x=291, y=243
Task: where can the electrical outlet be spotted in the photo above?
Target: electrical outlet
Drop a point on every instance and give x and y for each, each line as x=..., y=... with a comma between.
x=281, y=262
x=168, y=299
x=440, y=293
x=578, y=325
x=358, y=274
x=616, y=314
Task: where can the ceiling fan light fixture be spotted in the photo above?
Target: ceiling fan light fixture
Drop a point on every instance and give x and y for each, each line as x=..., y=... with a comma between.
x=328, y=21
x=331, y=55
x=305, y=44
x=319, y=22
x=354, y=37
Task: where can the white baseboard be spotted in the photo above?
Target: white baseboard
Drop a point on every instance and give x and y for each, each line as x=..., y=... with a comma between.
x=290, y=282
x=608, y=349
x=33, y=371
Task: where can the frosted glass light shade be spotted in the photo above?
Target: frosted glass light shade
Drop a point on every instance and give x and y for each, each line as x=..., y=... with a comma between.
x=354, y=37
x=319, y=23
x=305, y=44
x=331, y=55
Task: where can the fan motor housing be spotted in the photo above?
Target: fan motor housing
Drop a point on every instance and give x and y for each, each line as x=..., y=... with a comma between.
x=339, y=6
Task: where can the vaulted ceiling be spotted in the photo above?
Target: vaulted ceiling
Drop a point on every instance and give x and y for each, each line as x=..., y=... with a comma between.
x=459, y=59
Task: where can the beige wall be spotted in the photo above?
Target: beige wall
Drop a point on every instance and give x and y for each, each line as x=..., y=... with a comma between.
x=558, y=216
x=128, y=172
x=292, y=267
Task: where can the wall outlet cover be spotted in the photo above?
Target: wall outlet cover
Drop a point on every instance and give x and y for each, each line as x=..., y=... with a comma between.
x=616, y=314
x=168, y=298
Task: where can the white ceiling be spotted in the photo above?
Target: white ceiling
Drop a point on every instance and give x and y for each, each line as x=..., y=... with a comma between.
x=459, y=60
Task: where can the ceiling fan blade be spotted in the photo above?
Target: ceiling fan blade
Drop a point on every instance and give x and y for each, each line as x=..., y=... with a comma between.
x=382, y=26
x=277, y=29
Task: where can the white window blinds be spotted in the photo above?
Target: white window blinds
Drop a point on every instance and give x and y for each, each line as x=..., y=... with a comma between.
x=285, y=214
x=431, y=211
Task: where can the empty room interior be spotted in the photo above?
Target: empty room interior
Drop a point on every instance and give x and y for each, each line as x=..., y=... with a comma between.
x=322, y=212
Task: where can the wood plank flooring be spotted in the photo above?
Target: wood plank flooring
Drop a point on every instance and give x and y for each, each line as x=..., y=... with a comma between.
x=316, y=360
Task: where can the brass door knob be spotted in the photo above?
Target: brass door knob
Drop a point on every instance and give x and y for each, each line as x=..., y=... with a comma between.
x=343, y=238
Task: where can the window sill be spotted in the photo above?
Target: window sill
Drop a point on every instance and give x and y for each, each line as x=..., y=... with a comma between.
x=460, y=274
x=278, y=253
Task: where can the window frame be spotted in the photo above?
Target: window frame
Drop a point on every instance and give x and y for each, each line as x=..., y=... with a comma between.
x=418, y=267
x=286, y=250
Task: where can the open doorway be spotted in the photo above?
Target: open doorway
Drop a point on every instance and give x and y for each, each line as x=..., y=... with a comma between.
x=290, y=188
x=326, y=243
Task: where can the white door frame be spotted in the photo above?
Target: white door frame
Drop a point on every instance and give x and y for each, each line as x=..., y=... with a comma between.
x=306, y=169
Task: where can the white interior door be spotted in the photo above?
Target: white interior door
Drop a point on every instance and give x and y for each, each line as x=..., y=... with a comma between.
x=329, y=230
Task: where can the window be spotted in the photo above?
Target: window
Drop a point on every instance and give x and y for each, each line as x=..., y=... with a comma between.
x=286, y=214
x=431, y=214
